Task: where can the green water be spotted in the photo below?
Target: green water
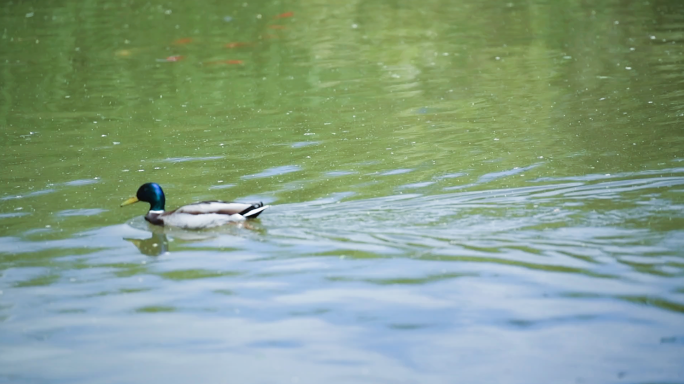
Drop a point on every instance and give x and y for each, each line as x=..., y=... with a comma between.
x=471, y=191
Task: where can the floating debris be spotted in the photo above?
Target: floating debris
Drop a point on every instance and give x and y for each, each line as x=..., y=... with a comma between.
x=171, y=59
x=183, y=41
x=237, y=44
x=233, y=62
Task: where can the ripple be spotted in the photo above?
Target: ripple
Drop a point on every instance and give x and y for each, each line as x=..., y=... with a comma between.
x=302, y=144
x=510, y=172
x=417, y=185
x=186, y=159
x=491, y=226
x=81, y=212
x=333, y=198
x=222, y=186
x=396, y=172
x=276, y=171
x=30, y=194
x=12, y=214
x=78, y=183
x=452, y=175
x=514, y=262
x=339, y=173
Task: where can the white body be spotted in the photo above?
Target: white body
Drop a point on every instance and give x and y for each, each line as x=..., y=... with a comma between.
x=206, y=214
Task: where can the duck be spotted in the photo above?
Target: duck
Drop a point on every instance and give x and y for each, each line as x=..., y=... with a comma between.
x=205, y=214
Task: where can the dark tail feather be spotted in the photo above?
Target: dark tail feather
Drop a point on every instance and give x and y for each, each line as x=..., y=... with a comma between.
x=254, y=210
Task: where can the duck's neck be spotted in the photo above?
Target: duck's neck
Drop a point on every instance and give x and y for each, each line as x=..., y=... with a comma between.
x=157, y=204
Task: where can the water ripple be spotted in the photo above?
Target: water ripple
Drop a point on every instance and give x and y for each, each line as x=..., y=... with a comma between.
x=276, y=171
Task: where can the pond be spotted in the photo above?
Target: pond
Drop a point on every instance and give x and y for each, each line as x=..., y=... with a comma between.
x=472, y=191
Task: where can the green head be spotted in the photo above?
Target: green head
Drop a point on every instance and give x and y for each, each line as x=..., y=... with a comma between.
x=151, y=193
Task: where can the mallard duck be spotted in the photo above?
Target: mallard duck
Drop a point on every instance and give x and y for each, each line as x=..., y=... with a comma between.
x=205, y=214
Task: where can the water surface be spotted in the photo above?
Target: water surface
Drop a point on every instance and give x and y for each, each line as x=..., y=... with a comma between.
x=461, y=190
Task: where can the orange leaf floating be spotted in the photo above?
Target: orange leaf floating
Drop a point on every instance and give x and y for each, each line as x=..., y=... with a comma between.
x=284, y=15
x=237, y=44
x=234, y=62
x=175, y=58
x=183, y=41
x=276, y=26
x=123, y=52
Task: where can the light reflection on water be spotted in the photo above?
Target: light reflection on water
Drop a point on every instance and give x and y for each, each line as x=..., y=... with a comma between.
x=394, y=288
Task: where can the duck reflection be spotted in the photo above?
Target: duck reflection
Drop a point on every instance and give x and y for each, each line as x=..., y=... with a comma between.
x=154, y=246
x=158, y=243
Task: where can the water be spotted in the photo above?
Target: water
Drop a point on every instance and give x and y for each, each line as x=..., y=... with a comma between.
x=487, y=191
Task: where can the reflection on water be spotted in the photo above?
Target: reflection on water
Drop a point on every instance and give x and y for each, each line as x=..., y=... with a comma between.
x=459, y=189
x=156, y=245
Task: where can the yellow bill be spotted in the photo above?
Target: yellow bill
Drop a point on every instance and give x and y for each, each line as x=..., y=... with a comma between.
x=130, y=201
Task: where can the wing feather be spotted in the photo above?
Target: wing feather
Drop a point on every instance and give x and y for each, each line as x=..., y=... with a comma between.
x=219, y=207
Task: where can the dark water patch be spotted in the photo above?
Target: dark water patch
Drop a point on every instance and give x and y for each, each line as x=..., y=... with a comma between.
x=672, y=340
x=524, y=324
x=661, y=303
x=276, y=344
x=71, y=311
x=408, y=327
x=25, y=253
x=406, y=280
x=453, y=256
x=39, y=281
x=130, y=269
x=155, y=309
x=133, y=290
x=192, y=274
